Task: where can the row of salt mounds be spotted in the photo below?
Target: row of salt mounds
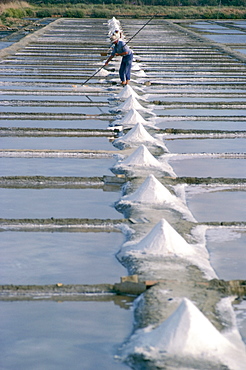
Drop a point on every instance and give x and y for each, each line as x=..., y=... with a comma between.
x=186, y=339
x=164, y=241
x=154, y=194
x=141, y=159
x=138, y=135
x=113, y=25
x=175, y=240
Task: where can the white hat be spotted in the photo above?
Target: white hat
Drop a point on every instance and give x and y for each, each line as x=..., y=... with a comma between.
x=115, y=36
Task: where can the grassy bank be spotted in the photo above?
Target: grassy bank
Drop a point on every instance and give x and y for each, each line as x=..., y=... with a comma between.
x=134, y=11
x=12, y=11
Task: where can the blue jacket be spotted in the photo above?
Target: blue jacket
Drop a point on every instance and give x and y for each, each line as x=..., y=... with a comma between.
x=121, y=47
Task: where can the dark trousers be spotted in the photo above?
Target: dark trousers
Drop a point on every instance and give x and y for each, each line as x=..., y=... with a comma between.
x=125, y=67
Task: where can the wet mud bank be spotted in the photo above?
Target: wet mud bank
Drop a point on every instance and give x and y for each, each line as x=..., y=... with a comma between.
x=185, y=102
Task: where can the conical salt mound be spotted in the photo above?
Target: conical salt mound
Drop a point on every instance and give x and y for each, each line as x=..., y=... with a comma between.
x=139, y=73
x=135, y=66
x=186, y=337
x=126, y=92
x=151, y=191
x=187, y=332
x=141, y=157
x=132, y=117
x=138, y=135
x=113, y=21
x=131, y=103
x=163, y=240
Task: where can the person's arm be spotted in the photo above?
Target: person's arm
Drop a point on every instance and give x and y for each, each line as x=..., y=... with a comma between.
x=122, y=54
x=109, y=59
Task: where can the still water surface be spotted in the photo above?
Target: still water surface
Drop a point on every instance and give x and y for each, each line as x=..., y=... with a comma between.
x=56, y=167
x=58, y=203
x=51, y=257
x=63, y=335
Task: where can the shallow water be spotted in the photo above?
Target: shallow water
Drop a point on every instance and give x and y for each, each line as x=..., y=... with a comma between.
x=187, y=124
x=56, y=167
x=209, y=167
x=63, y=335
x=224, y=246
x=235, y=145
x=50, y=110
x=227, y=38
x=65, y=257
x=188, y=112
x=218, y=206
x=58, y=203
x=59, y=123
x=53, y=143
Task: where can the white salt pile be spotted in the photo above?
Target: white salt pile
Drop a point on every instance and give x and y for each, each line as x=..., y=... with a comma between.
x=113, y=24
x=136, y=66
x=187, y=337
x=126, y=92
x=162, y=240
x=131, y=103
x=139, y=73
x=113, y=21
x=136, y=136
x=102, y=73
x=141, y=158
x=131, y=119
x=153, y=193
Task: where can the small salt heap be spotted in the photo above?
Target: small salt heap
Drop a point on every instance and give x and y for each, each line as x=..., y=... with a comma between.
x=162, y=240
x=136, y=136
x=136, y=67
x=140, y=73
x=131, y=103
x=141, y=158
x=126, y=92
x=153, y=193
x=131, y=119
x=102, y=73
x=186, y=337
x=113, y=24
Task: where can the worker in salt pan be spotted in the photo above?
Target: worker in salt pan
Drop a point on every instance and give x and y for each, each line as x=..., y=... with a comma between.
x=120, y=48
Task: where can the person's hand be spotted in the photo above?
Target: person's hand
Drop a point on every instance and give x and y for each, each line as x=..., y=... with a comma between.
x=106, y=63
x=117, y=54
